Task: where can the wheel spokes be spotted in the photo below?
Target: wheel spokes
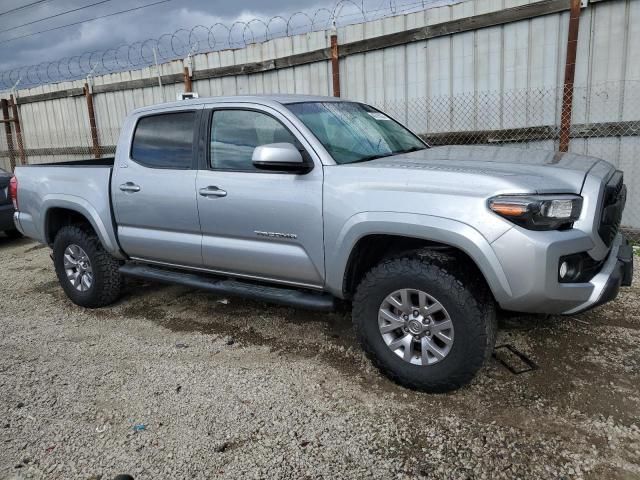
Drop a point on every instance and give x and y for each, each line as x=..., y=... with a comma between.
x=403, y=342
x=442, y=326
x=431, y=309
x=428, y=347
x=415, y=326
x=85, y=281
x=69, y=261
x=402, y=303
x=78, y=268
x=389, y=322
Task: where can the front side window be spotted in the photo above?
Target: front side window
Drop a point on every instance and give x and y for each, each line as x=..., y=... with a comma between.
x=353, y=132
x=164, y=141
x=236, y=133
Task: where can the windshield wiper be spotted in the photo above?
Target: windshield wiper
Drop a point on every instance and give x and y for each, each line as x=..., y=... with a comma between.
x=382, y=155
x=412, y=149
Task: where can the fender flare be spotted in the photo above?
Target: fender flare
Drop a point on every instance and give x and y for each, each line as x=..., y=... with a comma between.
x=426, y=227
x=106, y=233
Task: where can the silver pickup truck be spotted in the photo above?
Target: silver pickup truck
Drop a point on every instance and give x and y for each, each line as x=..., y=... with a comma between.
x=312, y=201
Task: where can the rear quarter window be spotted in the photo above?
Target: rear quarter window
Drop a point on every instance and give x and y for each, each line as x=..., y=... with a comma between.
x=165, y=140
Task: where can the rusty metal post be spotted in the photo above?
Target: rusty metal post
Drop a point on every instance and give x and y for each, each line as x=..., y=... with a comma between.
x=569, y=76
x=335, y=65
x=187, y=80
x=4, y=105
x=92, y=122
x=16, y=122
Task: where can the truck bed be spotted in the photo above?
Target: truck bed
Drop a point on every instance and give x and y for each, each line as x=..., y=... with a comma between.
x=80, y=186
x=89, y=162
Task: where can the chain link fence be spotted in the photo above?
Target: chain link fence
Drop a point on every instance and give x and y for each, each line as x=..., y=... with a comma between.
x=605, y=123
x=58, y=145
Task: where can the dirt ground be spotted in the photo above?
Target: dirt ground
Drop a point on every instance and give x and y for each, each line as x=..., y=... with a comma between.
x=177, y=383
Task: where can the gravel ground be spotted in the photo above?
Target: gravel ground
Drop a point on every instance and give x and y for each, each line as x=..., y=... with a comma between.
x=237, y=389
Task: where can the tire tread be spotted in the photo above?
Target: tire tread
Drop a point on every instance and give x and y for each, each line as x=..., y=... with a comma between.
x=440, y=268
x=103, y=264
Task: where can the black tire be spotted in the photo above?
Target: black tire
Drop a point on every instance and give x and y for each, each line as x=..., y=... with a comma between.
x=107, y=281
x=471, y=309
x=13, y=233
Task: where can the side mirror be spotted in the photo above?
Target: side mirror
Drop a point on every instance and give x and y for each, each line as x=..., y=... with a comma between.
x=279, y=156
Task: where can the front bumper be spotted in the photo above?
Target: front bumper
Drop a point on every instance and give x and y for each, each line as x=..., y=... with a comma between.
x=617, y=272
x=530, y=261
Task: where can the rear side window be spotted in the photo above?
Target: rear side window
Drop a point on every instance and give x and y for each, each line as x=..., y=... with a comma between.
x=164, y=141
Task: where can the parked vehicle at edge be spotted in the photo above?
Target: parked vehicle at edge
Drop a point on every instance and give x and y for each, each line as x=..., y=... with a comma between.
x=6, y=207
x=304, y=200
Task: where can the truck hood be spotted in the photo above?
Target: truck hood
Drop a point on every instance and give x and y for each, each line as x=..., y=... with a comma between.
x=453, y=183
x=490, y=170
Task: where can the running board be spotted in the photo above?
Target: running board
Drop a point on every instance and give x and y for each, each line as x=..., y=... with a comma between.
x=223, y=286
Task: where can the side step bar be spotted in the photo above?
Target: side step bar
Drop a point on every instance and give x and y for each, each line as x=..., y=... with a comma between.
x=223, y=286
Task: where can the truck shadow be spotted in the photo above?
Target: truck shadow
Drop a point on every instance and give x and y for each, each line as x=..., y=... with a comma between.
x=7, y=242
x=185, y=309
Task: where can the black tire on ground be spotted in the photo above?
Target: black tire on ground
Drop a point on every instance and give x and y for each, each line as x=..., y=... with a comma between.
x=465, y=297
x=107, y=281
x=13, y=233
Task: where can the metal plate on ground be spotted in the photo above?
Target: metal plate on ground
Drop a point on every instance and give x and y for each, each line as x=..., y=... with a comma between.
x=513, y=359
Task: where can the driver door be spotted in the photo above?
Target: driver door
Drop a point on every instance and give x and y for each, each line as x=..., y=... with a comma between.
x=256, y=223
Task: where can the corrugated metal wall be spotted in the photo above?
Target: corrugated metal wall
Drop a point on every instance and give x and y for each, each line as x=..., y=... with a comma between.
x=476, y=74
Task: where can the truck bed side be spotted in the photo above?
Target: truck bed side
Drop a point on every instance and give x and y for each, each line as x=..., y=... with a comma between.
x=53, y=191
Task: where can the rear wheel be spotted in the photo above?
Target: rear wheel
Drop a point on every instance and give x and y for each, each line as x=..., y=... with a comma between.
x=13, y=233
x=421, y=325
x=87, y=273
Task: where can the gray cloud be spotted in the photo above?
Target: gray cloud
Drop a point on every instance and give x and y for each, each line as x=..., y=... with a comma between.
x=110, y=32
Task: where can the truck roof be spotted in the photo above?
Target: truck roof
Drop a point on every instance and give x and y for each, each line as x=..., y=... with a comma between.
x=261, y=99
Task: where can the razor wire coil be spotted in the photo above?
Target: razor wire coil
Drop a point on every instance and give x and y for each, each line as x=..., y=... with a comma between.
x=202, y=39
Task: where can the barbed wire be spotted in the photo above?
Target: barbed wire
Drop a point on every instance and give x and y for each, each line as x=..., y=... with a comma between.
x=203, y=39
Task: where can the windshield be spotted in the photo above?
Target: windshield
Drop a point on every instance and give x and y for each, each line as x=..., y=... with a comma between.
x=353, y=132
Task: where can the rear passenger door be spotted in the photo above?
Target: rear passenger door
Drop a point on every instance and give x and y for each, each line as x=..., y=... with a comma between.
x=256, y=223
x=153, y=190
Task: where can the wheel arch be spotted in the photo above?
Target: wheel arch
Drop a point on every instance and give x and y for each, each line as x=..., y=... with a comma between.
x=398, y=232
x=61, y=211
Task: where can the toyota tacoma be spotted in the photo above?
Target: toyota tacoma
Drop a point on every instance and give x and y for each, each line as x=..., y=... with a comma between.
x=316, y=201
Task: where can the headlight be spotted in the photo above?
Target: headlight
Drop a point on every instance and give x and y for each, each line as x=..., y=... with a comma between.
x=538, y=212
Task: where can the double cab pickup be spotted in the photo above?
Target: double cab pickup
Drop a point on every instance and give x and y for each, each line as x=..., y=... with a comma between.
x=316, y=201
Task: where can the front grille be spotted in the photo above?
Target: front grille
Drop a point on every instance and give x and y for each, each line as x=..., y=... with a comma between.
x=615, y=197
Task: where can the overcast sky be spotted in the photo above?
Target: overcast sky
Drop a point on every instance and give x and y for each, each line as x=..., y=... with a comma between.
x=136, y=26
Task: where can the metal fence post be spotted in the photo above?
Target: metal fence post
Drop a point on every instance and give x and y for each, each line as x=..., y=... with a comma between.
x=187, y=80
x=16, y=121
x=569, y=76
x=92, y=121
x=158, y=72
x=335, y=64
x=4, y=105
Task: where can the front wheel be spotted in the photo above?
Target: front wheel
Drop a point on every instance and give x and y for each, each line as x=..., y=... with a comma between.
x=88, y=274
x=421, y=325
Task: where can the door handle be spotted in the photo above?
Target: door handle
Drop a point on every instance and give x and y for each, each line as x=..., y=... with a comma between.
x=129, y=187
x=212, y=191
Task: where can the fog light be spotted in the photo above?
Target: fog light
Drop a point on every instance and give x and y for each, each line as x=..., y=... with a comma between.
x=564, y=268
x=570, y=268
x=578, y=268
